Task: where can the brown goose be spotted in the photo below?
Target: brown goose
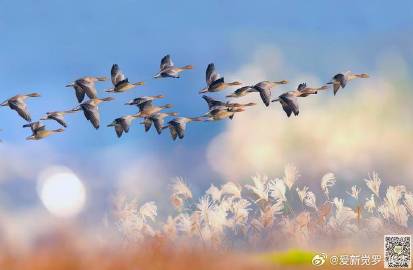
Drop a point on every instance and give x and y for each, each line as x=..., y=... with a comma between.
x=157, y=119
x=18, y=104
x=39, y=131
x=177, y=126
x=139, y=100
x=264, y=88
x=341, y=80
x=122, y=124
x=215, y=82
x=86, y=85
x=43, y=133
x=240, y=92
x=91, y=110
x=222, y=112
x=212, y=103
x=146, y=108
x=306, y=91
x=58, y=116
x=168, y=69
x=120, y=82
x=289, y=102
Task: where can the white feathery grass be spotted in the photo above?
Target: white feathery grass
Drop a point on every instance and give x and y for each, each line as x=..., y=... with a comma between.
x=310, y=200
x=397, y=211
x=220, y=214
x=180, y=193
x=302, y=193
x=278, y=189
x=214, y=192
x=240, y=209
x=327, y=182
x=231, y=189
x=408, y=202
x=355, y=191
x=260, y=187
x=148, y=211
x=179, y=188
x=342, y=220
x=290, y=175
x=373, y=183
x=370, y=204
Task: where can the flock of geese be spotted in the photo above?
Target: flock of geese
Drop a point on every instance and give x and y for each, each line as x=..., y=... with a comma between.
x=153, y=114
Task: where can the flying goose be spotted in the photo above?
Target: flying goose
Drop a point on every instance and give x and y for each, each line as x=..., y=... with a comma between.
x=177, y=126
x=146, y=108
x=222, y=112
x=168, y=69
x=289, y=102
x=58, y=116
x=39, y=131
x=139, y=100
x=120, y=82
x=91, y=110
x=122, y=124
x=341, y=80
x=217, y=103
x=215, y=82
x=43, y=133
x=18, y=104
x=157, y=119
x=240, y=92
x=86, y=85
x=264, y=88
x=306, y=91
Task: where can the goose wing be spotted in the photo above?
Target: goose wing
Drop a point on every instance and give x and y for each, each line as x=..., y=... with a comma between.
x=118, y=130
x=340, y=80
x=91, y=114
x=88, y=87
x=265, y=94
x=166, y=62
x=211, y=74
x=21, y=108
x=145, y=105
x=173, y=131
x=117, y=75
x=289, y=103
x=125, y=123
x=212, y=102
x=80, y=92
x=58, y=118
x=180, y=129
x=147, y=122
x=158, y=123
x=35, y=126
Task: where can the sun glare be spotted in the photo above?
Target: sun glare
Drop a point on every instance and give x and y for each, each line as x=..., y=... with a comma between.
x=61, y=192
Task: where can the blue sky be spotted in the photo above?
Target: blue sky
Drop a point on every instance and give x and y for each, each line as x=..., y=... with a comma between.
x=46, y=44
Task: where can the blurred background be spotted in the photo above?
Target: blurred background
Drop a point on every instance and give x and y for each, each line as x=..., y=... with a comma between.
x=46, y=44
